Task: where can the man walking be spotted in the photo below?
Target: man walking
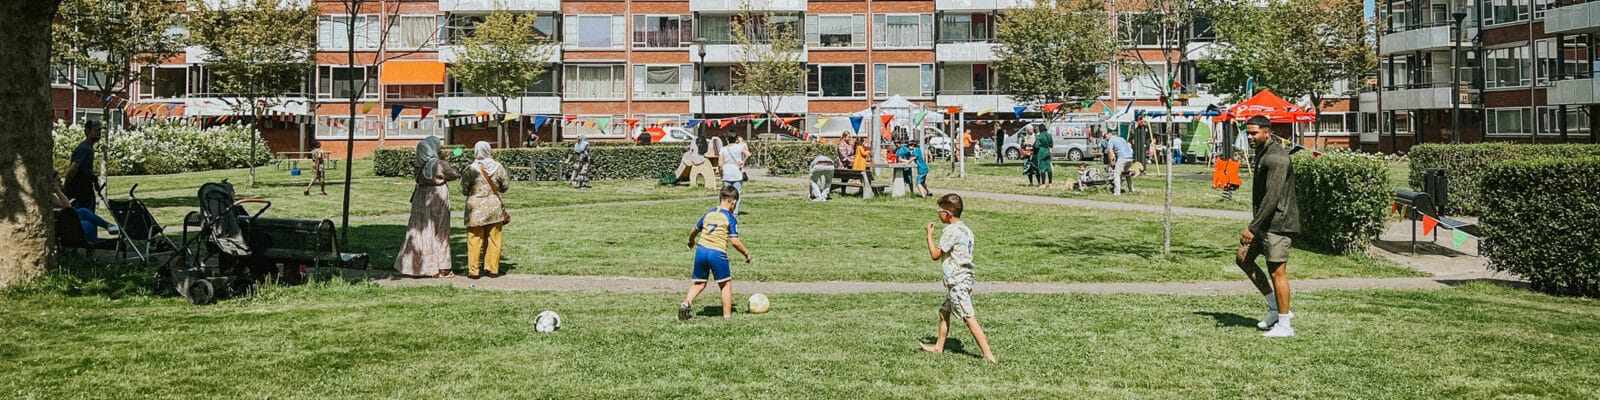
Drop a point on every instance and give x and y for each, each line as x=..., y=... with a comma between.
x=1274, y=217
x=81, y=182
x=1121, y=156
x=999, y=145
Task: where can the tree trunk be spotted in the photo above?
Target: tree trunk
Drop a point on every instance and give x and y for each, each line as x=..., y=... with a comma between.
x=26, y=223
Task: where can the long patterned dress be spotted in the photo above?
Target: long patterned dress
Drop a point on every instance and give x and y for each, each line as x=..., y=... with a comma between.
x=580, y=169
x=427, y=247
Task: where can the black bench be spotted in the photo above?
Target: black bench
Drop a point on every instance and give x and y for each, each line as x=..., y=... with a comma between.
x=1419, y=204
x=841, y=178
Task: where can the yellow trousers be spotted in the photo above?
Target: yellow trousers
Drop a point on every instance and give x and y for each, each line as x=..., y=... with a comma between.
x=477, y=239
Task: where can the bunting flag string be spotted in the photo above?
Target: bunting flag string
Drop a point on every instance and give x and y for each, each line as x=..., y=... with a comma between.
x=425, y=111
x=1459, y=237
x=1050, y=108
x=1428, y=223
x=916, y=119
x=756, y=123
x=509, y=117
x=855, y=124
x=821, y=122
x=692, y=123
x=538, y=120
x=886, y=118
x=1018, y=110
x=367, y=107
x=631, y=122
x=985, y=111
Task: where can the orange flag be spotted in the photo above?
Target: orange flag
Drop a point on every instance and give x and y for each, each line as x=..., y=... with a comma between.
x=790, y=120
x=886, y=118
x=1427, y=224
x=726, y=122
x=1050, y=108
x=631, y=122
x=952, y=110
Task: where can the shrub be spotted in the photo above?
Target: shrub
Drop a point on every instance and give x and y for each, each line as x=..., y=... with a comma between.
x=1343, y=197
x=610, y=161
x=166, y=148
x=1464, y=165
x=1538, y=222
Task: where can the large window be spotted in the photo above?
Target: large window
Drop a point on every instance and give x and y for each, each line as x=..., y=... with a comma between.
x=164, y=82
x=60, y=75
x=960, y=28
x=415, y=31
x=836, y=80
x=1140, y=81
x=1558, y=62
x=1509, y=121
x=662, y=31
x=1507, y=67
x=545, y=87
x=340, y=82
x=335, y=127
x=1331, y=123
x=663, y=81
x=333, y=32
x=718, y=29
x=1550, y=120
x=903, y=80
x=902, y=30
x=595, y=31
x=459, y=27
x=1139, y=30
x=1505, y=11
x=719, y=79
x=595, y=82
x=965, y=79
x=846, y=30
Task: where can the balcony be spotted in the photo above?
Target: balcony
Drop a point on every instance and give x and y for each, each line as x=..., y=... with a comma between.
x=531, y=104
x=975, y=100
x=980, y=5
x=210, y=104
x=737, y=104
x=727, y=53
x=1425, y=37
x=965, y=52
x=757, y=5
x=1573, y=19
x=489, y=5
x=1574, y=91
x=449, y=54
x=1426, y=96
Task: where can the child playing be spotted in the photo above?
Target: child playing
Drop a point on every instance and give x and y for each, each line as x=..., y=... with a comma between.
x=955, y=250
x=710, y=239
x=318, y=172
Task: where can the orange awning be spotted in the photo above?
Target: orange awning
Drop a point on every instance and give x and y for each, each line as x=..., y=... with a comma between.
x=412, y=73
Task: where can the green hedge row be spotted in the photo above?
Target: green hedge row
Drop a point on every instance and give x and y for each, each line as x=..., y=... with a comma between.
x=1343, y=197
x=1465, y=165
x=610, y=161
x=1538, y=222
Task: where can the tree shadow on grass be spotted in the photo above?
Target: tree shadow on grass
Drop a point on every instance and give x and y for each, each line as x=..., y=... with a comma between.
x=1228, y=319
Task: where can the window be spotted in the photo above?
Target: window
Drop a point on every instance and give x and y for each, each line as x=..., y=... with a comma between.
x=719, y=79
x=614, y=128
x=595, y=82
x=595, y=31
x=903, y=80
x=836, y=80
x=1504, y=11
x=91, y=80
x=847, y=30
x=1331, y=123
x=412, y=92
x=335, y=127
x=410, y=126
x=1507, y=67
x=1139, y=81
x=1141, y=30
x=163, y=83
x=414, y=31
x=1556, y=63
x=662, y=31
x=60, y=75
x=1508, y=121
x=544, y=88
x=663, y=81
x=341, y=82
x=458, y=27
x=961, y=28
x=964, y=79
x=717, y=29
x=333, y=32
x=902, y=30
x=1550, y=121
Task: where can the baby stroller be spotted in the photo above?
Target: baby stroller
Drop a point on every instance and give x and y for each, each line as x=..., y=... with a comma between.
x=140, y=231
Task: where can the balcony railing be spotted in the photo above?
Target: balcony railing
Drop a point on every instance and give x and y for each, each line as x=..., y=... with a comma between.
x=525, y=93
x=1428, y=20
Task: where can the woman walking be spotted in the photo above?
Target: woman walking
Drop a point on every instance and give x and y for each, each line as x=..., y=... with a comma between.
x=482, y=182
x=580, y=161
x=1042, y=145
x=426, y=251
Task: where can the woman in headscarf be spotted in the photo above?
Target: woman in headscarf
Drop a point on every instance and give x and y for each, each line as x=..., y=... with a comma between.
x=426, y=251
x=580, y=160
x=483, y=182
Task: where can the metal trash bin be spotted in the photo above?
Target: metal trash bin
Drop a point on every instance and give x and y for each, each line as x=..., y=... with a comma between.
x=821, y=178
x=1437, y=185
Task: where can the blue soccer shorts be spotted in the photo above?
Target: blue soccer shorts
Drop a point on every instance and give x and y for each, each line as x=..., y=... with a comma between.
x=710, y=262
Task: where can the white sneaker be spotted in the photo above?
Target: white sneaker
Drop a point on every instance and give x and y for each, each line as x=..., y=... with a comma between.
x=1272, y=313
x=1279, y=330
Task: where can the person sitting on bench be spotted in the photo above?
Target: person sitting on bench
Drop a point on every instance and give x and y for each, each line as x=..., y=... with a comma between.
x=91, y=222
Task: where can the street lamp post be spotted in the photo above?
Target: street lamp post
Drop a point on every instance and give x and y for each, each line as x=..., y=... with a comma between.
x=1455, y=77
x=700, y=73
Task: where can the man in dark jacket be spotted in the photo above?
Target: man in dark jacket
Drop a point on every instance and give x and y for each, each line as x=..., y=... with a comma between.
x=81, y=182
x=1275, y=217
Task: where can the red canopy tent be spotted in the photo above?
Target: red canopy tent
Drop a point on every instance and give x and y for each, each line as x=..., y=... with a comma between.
x=1277, y=109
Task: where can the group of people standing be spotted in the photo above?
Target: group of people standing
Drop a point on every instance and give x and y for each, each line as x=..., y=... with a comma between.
x=426, y=250
x=1037, y=162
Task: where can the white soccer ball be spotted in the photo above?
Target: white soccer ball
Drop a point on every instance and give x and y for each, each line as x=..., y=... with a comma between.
x=547, y=321
x=759, y=303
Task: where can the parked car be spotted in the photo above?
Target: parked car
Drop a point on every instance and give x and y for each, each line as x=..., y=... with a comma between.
x=776, y=137
x=1074, y=141
x=664, y=134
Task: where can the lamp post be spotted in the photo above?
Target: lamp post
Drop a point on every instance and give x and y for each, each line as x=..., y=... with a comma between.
x=1455, y=77
x=700, y=73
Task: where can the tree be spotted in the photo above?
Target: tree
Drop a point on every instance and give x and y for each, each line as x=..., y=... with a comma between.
x=1045, y=56
x=1171, y=25
x=261, y=51
x=771, y=65
x=26, y=223
x=103, y=38
x=1327, y=44
x=501, y=59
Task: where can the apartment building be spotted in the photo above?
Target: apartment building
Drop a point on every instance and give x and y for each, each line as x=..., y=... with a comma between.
x=639, y=61
x=1522, y=72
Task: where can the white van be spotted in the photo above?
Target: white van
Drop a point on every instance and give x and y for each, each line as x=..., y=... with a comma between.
x=664, y=134
x=1074, y=141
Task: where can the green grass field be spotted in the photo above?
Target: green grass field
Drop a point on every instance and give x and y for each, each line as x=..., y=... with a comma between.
x=1191, y=186
x=341, y=341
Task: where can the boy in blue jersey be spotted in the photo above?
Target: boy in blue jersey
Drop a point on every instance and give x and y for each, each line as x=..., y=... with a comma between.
x=710, y=240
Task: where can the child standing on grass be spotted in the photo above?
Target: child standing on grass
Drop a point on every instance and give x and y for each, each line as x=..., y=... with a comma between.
x=710, y=239
x=318, y=169
x=954, y=249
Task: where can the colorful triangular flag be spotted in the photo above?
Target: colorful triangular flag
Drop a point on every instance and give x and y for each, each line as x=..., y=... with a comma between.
x=631, y=122
x=790, y=120
x=916, y=119
x=952, y=110
x=756, y=123
x=509, y=117
x=1018, y=110
x=886, y=118
x=692, y=123
x=1050, y=108
x=538, y=120
x=366, y=107
x=822, y=121
x=1428, y=223
x=603, y=123
x=725, y=122
x=425, y=111
x=855, y=124
x=394, y=111
x=1460, y=237
x=985, y=111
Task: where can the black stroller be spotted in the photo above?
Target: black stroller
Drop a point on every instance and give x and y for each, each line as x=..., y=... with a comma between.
x=234, y=250
x=140, y=231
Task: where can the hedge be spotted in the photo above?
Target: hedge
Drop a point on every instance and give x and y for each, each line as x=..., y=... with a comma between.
x=610, y=161
x=1343, y=197
x=1464, y=165
x=1539, y=222
x=166, y=148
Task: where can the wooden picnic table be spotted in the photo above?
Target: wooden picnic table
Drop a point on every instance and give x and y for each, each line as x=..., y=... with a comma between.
x=897, y=184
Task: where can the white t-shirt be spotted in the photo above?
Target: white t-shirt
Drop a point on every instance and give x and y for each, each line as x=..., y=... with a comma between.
x=732, y=155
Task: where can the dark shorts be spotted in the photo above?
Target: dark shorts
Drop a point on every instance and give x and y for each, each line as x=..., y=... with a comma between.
x=1274, y=246
x=712, y=263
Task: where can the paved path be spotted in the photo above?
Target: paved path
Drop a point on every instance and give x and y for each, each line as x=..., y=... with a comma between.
x=1057, y=201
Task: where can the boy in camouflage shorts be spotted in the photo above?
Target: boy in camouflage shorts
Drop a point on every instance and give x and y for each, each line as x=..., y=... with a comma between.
x=954, y=249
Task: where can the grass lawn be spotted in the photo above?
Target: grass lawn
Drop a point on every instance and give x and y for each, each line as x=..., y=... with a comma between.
x=1191, y=186
x=339, y=341
x=875, y=240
